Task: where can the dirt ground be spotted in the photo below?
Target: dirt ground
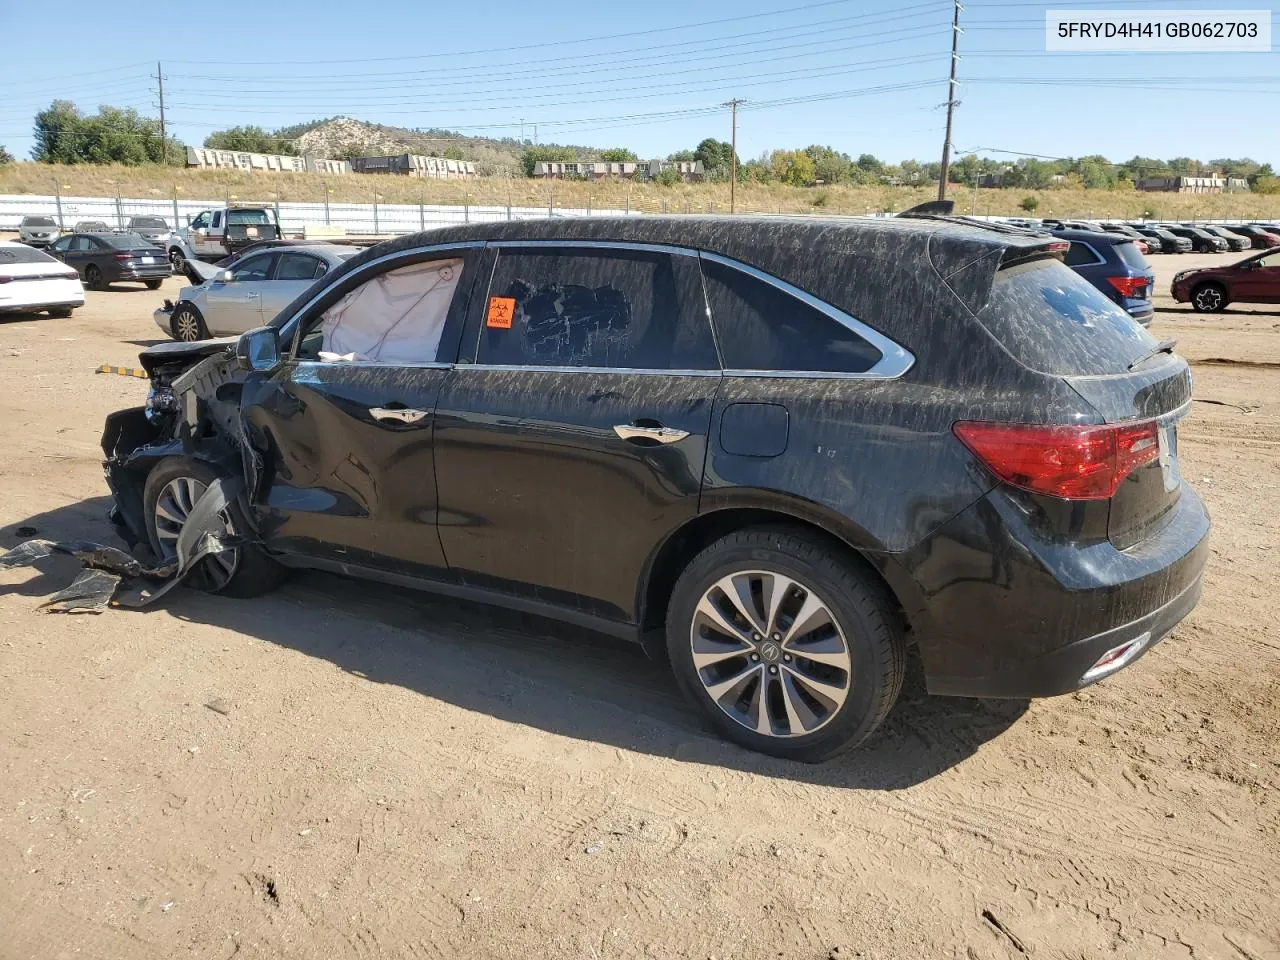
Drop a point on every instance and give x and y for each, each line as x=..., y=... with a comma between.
x=345, y=771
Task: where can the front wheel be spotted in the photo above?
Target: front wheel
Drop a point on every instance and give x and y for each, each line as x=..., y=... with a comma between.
x=177, y=259
x=786, y=644
x=153, y=284
x=170, y=494
x=1209, y=298
x=60, y=313
x=187, y=325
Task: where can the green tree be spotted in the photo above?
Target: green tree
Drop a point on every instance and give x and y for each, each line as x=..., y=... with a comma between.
x=870, y=163
x=532, y=155
x=794, y=167
x=830, y=166
x=965, y=170
x=453, y=153
x=682, y=155
x=64, y=135
x=666, y=178
x=5, y=156
x=618, y=155
x=716, y=157
x=249, y=139
x=1029, y=203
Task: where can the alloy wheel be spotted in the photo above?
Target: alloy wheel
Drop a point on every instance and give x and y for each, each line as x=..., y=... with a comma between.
x=1209, y=299
x=173, y=507
x=770, y=653
x=177, y=260
x=186, y=326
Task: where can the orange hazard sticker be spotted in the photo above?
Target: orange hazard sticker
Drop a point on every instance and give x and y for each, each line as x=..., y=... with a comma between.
x=501, y=310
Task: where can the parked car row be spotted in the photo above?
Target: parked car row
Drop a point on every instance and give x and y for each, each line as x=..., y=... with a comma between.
x=1175, y=237
x=43, y=231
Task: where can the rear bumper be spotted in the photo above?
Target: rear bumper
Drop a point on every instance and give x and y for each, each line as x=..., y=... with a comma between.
x=158, y=272
x=1005, y=613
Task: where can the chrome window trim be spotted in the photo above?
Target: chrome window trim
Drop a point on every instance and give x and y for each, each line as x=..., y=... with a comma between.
x=380, y=364
x=286, y=333
x=623, y=245
x=895, y=360
x=535, y=368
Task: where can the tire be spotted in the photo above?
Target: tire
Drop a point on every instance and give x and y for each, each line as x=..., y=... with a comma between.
x=1209, y=298
x=177, y=259
x=60, y=313
x=153, y=284
x=861, y=630
x=245, y=571
x=93, y=278
x=187, y=325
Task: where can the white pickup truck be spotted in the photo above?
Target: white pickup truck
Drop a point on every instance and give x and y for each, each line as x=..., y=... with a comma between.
x=214, y=234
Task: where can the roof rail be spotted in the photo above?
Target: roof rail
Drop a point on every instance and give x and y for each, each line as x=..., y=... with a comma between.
x=932, y=208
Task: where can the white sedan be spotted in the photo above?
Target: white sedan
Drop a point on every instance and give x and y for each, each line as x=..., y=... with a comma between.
x=31, y=281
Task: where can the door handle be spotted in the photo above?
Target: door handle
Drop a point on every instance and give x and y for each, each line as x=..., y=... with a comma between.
x=661, y=434
x=402, y=414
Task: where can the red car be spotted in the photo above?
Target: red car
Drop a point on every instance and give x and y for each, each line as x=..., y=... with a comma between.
x=1255, y=279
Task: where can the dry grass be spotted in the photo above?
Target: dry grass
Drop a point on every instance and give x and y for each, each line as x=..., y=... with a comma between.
x=144, y=182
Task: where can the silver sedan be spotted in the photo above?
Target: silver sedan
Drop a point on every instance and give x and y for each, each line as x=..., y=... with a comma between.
x=248, y=293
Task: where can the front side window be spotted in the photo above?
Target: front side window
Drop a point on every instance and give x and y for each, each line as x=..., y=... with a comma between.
x=201, y=222
x=605, y=308
x=762, y=327
x=395, y=317
x=62, y=246
x=253, y=268
x=300, y=266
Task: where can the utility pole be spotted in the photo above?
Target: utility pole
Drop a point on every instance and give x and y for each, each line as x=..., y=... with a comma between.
x=522, y=131
x=164, y=140
x=733, y=150
x=951, y=101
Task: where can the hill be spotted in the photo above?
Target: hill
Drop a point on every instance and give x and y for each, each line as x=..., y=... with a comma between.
x=339, y=137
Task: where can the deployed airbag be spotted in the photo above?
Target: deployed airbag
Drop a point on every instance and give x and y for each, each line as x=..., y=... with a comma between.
x=397, y=317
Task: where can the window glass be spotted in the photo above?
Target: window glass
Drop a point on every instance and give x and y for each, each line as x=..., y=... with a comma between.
x=217, y=219
x=1053, y=320
x=242, y=217
x=201, y=221
x=18, y=254
x=61, y=245
x=600, y=308
x=760, y=327
x=395, y=317
x=1271, y=261
x=149, y=223
x=253, y=268
x=299, y=266
x=128, y=241
x=38, y=222
x=81, y=243
x=1079, y=253
x=1130, y=254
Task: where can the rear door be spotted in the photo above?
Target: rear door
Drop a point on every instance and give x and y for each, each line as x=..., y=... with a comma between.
x=571, y=437
x=236, y=306
x=294, y=273
x=347, y=443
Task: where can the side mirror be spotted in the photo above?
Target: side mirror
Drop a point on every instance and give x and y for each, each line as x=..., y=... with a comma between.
x=223, y=276
x=259, y=349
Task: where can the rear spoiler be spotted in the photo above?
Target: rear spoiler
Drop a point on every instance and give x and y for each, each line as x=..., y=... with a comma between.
x=942, y=210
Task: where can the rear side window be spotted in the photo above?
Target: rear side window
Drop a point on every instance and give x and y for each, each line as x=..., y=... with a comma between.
x=1054, y=321
x=1081, y=254
x=299, y=266
x=761, y=327
x=1132, y=256
x=626, y=309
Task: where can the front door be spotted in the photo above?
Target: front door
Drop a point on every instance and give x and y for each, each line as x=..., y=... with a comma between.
x=1261, y=284
x=236, y=306
x=571, y=437
x=345, y=425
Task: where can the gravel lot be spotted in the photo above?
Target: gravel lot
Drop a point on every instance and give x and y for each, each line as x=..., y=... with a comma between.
x=342, y=770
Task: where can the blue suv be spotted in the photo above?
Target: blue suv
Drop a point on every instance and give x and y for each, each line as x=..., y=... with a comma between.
x=1114, y=264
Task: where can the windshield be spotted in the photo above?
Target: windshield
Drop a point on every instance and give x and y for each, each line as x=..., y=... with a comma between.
x=149, y=223
x=1055, y=322
x=241, y=217
x=23, y=254
x=38, y=222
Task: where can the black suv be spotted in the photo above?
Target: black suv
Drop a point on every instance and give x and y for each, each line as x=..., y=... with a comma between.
x=781, y=451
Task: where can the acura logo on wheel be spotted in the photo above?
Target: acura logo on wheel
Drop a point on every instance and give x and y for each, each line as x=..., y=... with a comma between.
x=770, y=651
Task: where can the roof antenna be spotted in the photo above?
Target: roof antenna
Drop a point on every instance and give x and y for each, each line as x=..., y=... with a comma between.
x=933, y=208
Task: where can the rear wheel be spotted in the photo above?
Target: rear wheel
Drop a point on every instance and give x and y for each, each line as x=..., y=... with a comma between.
x=786, y=645
x=60, y=313
x=93, y=278
x=1209, y=297
x=153, y=284
x=168, y=498
x=187, y=325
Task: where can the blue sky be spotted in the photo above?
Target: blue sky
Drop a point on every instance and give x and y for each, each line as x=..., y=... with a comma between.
x=859, y=75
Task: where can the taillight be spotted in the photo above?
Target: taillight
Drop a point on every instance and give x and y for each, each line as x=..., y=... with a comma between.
x=124, y=256
x=1128, y=286
x=1073, y=462
x=1142, y=246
